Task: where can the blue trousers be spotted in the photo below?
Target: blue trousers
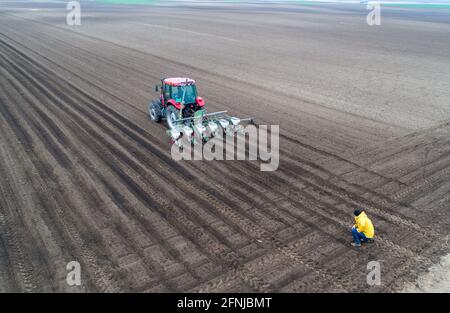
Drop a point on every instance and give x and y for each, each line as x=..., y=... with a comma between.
x=357, y=236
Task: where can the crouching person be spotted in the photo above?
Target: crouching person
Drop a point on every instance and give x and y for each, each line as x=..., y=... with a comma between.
x=363, y=230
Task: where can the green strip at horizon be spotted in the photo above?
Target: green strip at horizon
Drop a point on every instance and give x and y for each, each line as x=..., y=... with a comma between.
x=301, y=2
x=400, y=5
x=418, y=5
x=152, y=1
x=128, y=1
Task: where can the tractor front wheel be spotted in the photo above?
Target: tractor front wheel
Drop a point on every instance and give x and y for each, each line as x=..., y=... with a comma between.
x=172, y=114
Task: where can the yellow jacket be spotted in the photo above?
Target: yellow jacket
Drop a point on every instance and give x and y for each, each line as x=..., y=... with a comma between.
x=364, y=225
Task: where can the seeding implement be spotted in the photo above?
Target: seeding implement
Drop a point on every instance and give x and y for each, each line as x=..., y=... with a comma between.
x=186, y=115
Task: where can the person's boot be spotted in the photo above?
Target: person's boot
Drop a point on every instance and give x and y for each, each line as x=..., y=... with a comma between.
x=357, y=245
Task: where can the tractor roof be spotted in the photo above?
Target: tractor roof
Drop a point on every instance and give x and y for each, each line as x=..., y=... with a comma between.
x=178, y=81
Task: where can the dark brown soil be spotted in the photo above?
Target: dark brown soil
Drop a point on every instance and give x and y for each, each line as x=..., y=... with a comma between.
x=85, y=176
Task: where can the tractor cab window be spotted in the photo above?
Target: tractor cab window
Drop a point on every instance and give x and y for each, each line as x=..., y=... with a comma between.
x=189, y=92
x=176, y=94
x=166, y=92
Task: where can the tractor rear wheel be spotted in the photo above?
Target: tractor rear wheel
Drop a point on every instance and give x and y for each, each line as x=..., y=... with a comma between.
x=154, y=110
x=172, y=114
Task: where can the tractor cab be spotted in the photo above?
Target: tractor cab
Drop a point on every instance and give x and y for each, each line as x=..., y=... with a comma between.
x=179, y=91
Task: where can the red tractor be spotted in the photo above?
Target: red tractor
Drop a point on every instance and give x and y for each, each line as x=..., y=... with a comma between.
x=185, y=112
x=178, y=100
